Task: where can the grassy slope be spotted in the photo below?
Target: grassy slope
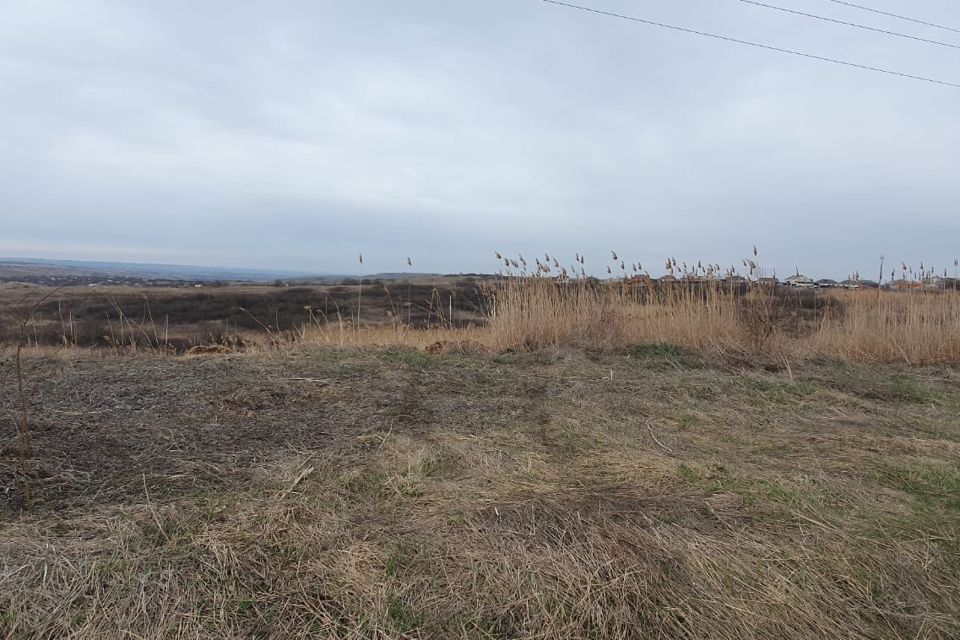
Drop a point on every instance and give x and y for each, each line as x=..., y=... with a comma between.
x=556, y=494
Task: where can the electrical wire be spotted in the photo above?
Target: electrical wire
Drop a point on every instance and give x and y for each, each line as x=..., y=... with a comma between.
x=850, y=24
x=894, y=15
x=757, y=45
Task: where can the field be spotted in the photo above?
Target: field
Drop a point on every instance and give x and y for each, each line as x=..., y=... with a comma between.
x=175, y=319
x=576, y=461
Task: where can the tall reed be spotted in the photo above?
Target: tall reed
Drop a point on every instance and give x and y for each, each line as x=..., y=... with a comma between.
x=912, y=327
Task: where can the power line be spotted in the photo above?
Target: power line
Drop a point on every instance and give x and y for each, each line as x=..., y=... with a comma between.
x=752, y=44
x=894, y=15
x=850, y=24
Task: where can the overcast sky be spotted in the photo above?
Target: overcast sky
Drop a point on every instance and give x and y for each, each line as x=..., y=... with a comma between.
x=295, y=135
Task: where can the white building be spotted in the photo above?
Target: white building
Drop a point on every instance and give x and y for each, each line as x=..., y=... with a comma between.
x=800, y=281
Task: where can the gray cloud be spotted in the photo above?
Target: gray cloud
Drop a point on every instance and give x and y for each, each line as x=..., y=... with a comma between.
x=296, y=135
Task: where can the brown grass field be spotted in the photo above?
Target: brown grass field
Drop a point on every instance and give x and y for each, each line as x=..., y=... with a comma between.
x=562, y=460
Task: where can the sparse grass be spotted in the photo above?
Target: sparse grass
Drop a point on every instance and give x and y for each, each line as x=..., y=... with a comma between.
x=545, y=498
x=660, y=355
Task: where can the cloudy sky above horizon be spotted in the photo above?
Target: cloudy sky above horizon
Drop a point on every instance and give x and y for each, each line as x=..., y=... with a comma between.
x=296, y=135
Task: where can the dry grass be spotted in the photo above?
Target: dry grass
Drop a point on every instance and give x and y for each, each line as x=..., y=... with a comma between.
x=908, y=327
x=527, y=314
x=597, y=460
x=559, y=494
x=534, y=313
x=519, y=311
x=913, y=328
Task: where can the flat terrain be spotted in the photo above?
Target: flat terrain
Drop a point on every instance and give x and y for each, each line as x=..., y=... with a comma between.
x=646, y=492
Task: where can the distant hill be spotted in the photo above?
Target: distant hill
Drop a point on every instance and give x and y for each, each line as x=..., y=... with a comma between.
x=60, y=272
x=32, y=268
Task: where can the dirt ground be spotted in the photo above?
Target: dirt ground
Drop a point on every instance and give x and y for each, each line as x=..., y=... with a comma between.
x=648, y=492
x=103, y=426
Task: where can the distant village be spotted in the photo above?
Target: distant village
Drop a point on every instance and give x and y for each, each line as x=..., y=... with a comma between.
x=800, y=281
x=926, y=282
x=94, y=280
x=931, y=282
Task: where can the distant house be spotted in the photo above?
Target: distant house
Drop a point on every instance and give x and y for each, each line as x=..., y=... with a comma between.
x=667, y=279
x=906, y=285
x=800, y=281
x=949, y=283
x=869, y=284
x=850, y=284
x=768, y=282
x=827, y=283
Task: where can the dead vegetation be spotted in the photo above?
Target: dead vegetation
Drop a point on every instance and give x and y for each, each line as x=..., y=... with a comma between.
x=912, y=328
x=123, y=318
x=647, y=491
x=742, y=318
x=595, y=459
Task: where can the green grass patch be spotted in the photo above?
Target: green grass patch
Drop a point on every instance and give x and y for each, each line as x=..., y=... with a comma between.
x=931, y=485
x=908, y=389
x=688, y=473
x=662, y=354
x=900, y=387
x=401, y=556
x=6, y=619
x=407, y=357
x=775, y=391
x=776, y=492
x=403, y=616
